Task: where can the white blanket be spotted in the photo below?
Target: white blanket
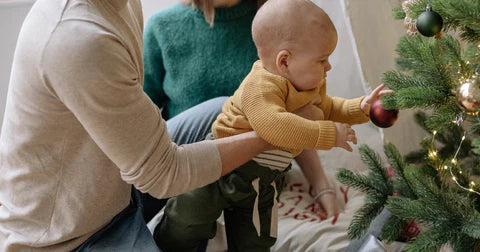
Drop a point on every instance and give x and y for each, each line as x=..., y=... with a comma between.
x=301, y=230
x=298, y=228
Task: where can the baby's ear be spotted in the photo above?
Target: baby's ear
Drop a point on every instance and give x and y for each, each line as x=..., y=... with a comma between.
x=282, y=60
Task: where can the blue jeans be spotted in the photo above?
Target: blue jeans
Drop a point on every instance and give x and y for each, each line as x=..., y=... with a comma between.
x=128, y=230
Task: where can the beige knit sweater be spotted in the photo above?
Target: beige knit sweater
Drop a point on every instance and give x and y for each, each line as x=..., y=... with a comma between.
x=78, y=128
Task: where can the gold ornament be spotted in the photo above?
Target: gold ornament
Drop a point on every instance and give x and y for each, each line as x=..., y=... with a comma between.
x=468, y=96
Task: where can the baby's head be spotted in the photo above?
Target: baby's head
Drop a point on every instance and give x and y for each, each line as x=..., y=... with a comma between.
x=294, y=39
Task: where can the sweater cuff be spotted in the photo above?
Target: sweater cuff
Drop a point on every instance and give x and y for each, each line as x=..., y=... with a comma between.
x=356, y=113
x=327, y=135
x=205, y=157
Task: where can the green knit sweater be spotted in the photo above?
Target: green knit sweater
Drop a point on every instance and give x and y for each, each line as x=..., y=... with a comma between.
x=188, y=62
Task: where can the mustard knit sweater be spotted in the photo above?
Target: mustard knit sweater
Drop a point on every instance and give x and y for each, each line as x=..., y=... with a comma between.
x=264, y=102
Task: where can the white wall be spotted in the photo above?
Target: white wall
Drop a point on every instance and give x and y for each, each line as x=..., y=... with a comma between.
x=152, y=6
x=12, y=13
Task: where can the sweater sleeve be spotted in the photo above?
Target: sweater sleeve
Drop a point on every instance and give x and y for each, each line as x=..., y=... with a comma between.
x=343, y=110
x=95, y=78
x=153, y=63
x=263, y=103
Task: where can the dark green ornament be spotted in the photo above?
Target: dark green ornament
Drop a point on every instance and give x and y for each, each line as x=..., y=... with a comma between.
x=429, y=22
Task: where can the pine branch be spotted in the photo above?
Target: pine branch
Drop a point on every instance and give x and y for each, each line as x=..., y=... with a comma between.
x=378, y=173
x=464, y=15
x=471, y=226
x=417, y=156
x=392, y=229
x=428, y=193
x=411, y=173
x=451, y=49
x=454, y=57
x=442, y=118
x=475, y=125
x=412, y=56
x=430, y=240
x=423, y=58
x=430, y=63
x=398, y=164
x=356, y=181
x=470, y=53
x=398, y=13
x=362, y=218
x=370, y=158
x=407, y=209
x=415, y=97
x=397, y=80
x=462, y=243
x=402, y=188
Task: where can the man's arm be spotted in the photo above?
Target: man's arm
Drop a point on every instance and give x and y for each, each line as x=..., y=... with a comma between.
x=237, y=150
x=96, y=80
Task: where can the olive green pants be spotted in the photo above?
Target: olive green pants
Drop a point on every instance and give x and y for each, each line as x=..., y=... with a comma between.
x=191, y=217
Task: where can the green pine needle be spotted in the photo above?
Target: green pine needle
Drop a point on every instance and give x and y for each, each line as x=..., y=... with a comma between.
x=357, y=181
x=430, y=240
x=392, y=229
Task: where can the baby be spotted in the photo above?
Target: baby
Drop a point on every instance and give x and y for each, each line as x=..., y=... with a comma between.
x=294, y=39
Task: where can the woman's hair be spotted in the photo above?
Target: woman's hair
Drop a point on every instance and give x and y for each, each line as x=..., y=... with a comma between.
x=208, y=9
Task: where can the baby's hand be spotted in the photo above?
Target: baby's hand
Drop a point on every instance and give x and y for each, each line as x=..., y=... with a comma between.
x=372, y=97
x=345, y=134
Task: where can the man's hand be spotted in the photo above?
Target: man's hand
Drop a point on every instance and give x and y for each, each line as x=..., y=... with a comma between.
x=367, y=102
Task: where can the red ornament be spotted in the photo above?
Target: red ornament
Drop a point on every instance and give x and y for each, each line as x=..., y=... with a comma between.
x=410, y=231
x=381, y=117
x=390, y=172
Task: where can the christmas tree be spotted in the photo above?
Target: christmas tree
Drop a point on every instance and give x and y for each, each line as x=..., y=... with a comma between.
x=436, y=187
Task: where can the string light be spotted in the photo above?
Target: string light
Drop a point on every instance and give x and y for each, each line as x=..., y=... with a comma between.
x=433, y=153
x=451, y=172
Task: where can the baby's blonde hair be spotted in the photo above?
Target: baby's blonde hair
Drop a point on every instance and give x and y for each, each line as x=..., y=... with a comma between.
x=206, y=6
